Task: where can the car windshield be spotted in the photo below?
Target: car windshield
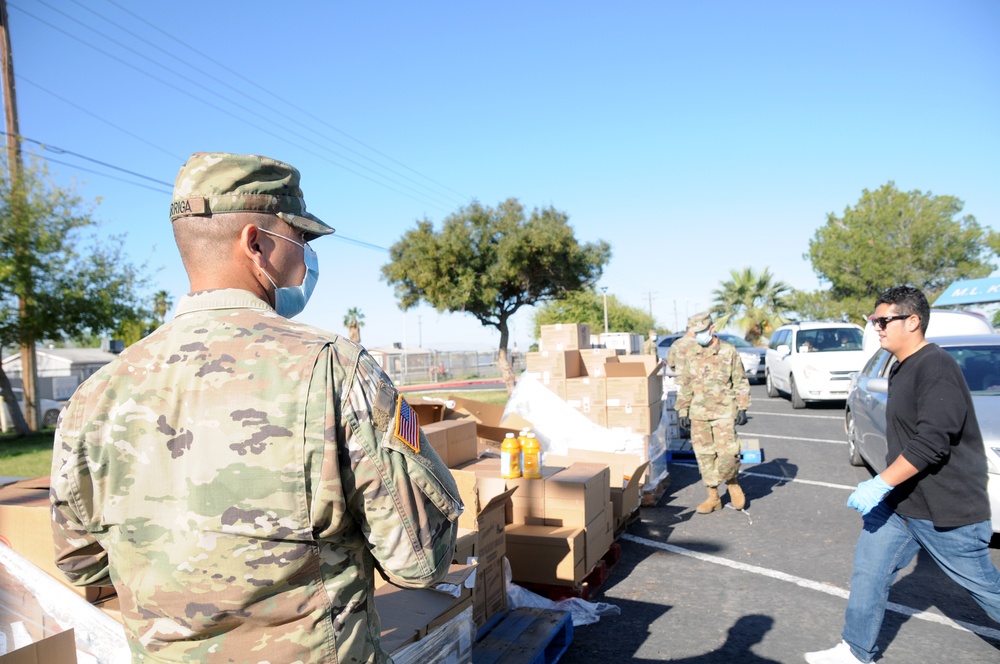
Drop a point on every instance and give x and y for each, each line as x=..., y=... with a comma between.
x=829, y=339
x=981, y=366
x=739, y=342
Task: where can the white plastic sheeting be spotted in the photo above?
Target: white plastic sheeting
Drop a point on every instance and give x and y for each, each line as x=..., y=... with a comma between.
x=560, y=428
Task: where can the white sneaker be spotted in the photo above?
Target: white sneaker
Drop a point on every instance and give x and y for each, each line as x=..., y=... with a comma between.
x=839, y=654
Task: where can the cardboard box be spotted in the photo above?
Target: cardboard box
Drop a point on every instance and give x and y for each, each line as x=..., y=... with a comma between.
x=564, y=336
x=626, y=473
x=546, y=554
x=555, y=385
x=491, y=425
x=56, y=649
x=427, y=412
x=599, y=535
x=586, y=392
x=486, y=498
x=592, y=361
x=408, y=614
x=453, y=440
x=628, y=342
x=528, y=503
x=550, y=364
x=635, y=419
x=465, y=546
x=598, y=415
x=26, y=525
x=576, y=495
x=633, y=379
x=751, y=452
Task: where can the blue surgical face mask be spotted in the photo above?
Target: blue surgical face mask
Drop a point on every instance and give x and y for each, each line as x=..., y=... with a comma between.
x=704, y=338
x=289, y=301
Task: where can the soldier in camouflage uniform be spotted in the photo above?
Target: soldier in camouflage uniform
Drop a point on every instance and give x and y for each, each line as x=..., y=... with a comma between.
x=682, y=348
x=239, y=477
x=714, y=397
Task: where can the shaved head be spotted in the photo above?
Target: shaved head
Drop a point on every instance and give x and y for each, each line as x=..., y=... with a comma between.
x=206, y=242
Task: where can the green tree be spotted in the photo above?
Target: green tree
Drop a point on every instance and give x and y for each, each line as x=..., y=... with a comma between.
x=54, y=283
x=490, y=262
x=751, y=301
x=587, y=307
x=354, y=321
x=890, y=237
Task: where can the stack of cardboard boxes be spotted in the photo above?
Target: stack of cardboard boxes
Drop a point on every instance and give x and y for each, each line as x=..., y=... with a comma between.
x=612, y=390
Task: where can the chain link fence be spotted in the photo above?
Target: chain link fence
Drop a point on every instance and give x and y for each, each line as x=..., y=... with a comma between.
x=413, y=368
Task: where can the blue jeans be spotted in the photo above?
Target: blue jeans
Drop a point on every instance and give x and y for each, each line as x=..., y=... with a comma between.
x=888, y=543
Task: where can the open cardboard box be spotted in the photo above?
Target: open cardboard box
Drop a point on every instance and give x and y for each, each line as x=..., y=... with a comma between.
x=409, y=614
x=491, y=425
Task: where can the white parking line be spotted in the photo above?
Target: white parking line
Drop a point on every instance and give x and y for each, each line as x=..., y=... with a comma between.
x=749, y=434
x=798, y=481
x=987, y=632
x=754, y=413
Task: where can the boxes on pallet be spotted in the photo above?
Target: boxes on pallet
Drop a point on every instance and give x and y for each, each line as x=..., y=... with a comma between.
x=576, y=495
x=626, y=473
x=635, y=419
x=546, y=554
x=600, y=535
x=592, y=360
x=588, y=396
x=633, y=380
x=564, y=336
x=409, y=614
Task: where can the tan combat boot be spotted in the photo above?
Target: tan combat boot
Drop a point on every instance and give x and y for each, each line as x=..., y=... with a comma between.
x=712, y=503
x=736, y=497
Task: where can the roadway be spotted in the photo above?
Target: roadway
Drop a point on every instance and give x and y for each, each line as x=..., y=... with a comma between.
x=770, y=583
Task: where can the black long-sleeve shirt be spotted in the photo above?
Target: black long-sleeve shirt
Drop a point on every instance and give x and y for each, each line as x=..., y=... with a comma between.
x=931, y=421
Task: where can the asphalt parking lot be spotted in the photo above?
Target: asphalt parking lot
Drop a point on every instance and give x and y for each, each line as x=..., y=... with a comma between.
x=770, y=583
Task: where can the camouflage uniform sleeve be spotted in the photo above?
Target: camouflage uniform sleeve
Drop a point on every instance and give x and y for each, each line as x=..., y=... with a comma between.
x=685, y=389
x=741, y=386
x=78, y=554
x=403, y=494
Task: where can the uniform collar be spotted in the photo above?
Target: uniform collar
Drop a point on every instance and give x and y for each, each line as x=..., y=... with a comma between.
x=222, y=298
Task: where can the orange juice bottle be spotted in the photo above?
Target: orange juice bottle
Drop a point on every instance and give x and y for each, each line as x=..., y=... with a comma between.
x=532, y=452
x=510, y=457
x=522, y=438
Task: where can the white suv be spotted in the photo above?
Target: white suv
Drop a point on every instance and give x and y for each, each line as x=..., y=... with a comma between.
x=813, y=361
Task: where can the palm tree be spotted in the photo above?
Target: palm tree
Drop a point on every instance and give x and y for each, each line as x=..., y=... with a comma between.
x=753, y=302
x=354, y=321
x=161, y=305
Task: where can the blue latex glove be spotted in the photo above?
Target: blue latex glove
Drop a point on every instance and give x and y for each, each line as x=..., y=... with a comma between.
x=868, y=495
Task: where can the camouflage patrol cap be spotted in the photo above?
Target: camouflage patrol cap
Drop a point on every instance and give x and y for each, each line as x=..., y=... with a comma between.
x=214, y=182
x=699, y=322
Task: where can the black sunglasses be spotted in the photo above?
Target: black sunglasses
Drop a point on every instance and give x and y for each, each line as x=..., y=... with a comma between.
x=881, y=321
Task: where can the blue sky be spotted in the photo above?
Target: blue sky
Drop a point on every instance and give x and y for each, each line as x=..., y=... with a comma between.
x=695, y=137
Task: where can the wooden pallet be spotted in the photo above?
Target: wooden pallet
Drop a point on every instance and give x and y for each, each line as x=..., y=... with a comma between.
x=587, y=588
x=526, y=636
x=652, y=497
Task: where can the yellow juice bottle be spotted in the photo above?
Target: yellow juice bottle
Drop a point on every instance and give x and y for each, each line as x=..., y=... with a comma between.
x=532, y=453
x=510, y=457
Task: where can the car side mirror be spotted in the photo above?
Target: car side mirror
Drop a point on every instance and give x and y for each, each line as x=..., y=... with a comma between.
x=783, y=349
x=878, y=385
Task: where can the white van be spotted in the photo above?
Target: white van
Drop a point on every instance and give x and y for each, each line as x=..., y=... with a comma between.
x=943, y=323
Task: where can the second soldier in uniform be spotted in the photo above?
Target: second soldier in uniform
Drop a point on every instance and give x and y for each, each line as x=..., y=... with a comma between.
x=713, y=398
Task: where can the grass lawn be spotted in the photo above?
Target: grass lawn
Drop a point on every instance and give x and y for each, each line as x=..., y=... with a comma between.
x=495, y=397
x=30, y=456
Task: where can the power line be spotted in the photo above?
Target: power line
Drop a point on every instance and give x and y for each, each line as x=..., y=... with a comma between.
x=113, y=177
x=232, y=115
x=92, y=30
x=290, y=104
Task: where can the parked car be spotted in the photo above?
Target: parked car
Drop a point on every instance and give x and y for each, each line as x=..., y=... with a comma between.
x=663, y=345
x=751, y=356
x=942, y=323
x=813, y=361
x=864, y=412
x=50, y=409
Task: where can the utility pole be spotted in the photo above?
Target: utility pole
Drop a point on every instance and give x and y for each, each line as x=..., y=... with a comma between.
x=14, y=168
x=604, y=289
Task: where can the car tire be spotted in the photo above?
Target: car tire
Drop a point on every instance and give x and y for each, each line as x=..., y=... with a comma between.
x=50, y=419
x=772, y=391
x=853, y=453
x=797, y=401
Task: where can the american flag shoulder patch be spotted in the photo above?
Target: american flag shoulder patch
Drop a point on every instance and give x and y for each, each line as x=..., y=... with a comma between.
x=407, y=428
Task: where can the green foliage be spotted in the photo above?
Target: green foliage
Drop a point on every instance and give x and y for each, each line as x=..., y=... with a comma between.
x=751, y=301
x=54, y=283
x=490, y=262
x=890, y=238
x=587, y=307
